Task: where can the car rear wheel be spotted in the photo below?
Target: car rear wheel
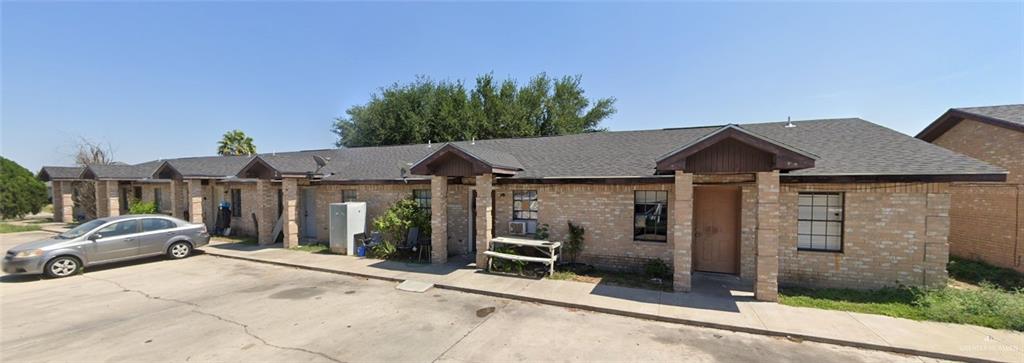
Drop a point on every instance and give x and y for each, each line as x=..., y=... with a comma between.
x=62, y=266
x=179, y=250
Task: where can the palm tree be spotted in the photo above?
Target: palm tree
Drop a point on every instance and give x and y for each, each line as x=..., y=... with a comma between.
x=235, y=142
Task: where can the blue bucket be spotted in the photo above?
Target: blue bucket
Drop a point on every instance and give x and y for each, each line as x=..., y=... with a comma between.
x=361, y=251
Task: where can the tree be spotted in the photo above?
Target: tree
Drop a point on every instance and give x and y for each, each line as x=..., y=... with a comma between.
x=440, y=111
x=20, y=192
x=235, y=142
x=89, y=153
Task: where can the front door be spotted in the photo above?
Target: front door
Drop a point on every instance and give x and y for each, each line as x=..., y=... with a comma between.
x=716, y=229
x=308, y=213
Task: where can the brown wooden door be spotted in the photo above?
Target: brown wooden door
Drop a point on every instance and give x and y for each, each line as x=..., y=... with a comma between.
x=716, y=229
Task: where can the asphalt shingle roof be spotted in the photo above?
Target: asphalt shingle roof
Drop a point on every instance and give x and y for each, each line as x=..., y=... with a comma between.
x=60, y=172
x=1008, y=113
x=842, y=146
x=124, y=171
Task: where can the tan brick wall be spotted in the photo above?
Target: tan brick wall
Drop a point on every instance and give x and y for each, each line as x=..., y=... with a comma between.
x=377, y=197
x=885, y=232
x=606, y=211
x=994, y=144
x=984, y=223
x=987, y=219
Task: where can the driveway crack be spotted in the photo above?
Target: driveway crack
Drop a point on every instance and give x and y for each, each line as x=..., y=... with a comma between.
x=439, y=356
x=196, y=309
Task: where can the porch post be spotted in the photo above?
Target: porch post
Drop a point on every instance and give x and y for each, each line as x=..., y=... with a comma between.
x=113, y=200
x=195, y=201
x=62, y=203
x=936, y=239
x=101, y=199
x=439, y=219
x=484, y=185
x=290, y=194
x=682, y=231
x=265, y=208
x=173, y=194
x=766, y=286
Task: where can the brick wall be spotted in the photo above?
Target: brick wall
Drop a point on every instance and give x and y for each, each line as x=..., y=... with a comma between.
x=885, y=232
x=994, y=144
x=987, y=219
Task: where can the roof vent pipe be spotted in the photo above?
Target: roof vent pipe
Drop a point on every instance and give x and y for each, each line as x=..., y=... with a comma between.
x=789, y=123
x=473, y=141
x=429, y=144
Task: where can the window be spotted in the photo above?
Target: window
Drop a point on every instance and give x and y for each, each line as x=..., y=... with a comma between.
x=156, y=199
x=119, y=229
x=422, y=197
x=524, y=208
x=820, y=222
x=348, y=196
x=236, y=202
x=650, y=215
x=136, y=194
x=156, y=224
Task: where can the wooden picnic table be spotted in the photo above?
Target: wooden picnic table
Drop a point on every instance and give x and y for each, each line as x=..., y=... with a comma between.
x=549, y=249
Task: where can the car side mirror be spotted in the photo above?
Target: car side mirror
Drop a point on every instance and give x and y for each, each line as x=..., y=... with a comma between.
x=95, y=236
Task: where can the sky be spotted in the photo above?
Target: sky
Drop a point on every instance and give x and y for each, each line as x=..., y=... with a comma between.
x=167, y=79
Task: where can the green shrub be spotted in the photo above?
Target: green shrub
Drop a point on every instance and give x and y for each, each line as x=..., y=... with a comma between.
x=657, y=268
x=139, y=207
x=574, y=243
x=542, y=232
x=385, y=250
x=20, y=192
x=395, y=223
x=510, y=266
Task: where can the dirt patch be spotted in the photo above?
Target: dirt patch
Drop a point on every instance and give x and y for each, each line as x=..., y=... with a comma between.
x=483, y=312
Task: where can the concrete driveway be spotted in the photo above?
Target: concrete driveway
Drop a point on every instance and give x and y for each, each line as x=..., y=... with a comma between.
x=207, y=308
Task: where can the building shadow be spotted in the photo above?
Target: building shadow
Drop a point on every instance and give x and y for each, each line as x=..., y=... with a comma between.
x=709, y=291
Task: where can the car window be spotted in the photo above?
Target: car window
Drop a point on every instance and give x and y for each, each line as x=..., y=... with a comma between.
x=82, y=229
x=119, y=229
x=156, y=224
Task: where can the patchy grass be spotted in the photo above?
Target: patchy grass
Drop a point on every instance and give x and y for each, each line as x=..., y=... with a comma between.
x=15, y=228
x=322, y=249
x=977, y=272
x=624, y=279
x=237, y=239
x=980, y=294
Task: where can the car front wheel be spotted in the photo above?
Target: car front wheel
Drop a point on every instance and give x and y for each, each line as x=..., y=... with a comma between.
x=179, y=250
x=63, y=266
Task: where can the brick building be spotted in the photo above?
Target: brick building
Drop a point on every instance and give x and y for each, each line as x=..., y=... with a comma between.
x=837, y=203
x=987, y=218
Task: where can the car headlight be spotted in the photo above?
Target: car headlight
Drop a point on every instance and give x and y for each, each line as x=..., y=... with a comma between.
x=30, y=253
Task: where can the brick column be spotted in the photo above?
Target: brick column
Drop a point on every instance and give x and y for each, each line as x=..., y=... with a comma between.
x=682, y=231
x=172, y=193
x=766, y=284
x=484, y=185
x=101, y=199
x=936, y=244
x=266, y=209
x=439, y=219
x=290, y=194
x=195, y=201
x=1019, y=263
x=67, y=202
x=113, y=200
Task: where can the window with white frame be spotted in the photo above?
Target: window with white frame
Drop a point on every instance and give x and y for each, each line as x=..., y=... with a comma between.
x=524, y=208
x=820, y=222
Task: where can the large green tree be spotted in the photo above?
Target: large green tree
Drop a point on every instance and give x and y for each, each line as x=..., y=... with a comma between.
x=427, y=110
x=20, y=192
x=236, y=142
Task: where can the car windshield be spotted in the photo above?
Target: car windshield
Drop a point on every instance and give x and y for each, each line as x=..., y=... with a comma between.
x=81, y=229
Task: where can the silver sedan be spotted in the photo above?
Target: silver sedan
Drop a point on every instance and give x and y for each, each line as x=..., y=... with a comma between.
x=106, y=240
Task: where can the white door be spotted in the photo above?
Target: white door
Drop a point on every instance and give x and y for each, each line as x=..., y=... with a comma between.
x=308, y=213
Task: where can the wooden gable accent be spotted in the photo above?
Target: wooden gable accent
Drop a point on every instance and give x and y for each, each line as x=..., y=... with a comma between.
x=166, y=171
x=450, y=160
x=259, y=169
x=733, y=150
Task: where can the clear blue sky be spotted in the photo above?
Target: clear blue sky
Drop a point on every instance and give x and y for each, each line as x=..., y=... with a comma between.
x=167, y=79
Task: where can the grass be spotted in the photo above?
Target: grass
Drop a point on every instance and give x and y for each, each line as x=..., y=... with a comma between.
x=15, y=228
x=321, y=249
x=980, y=294
x=624, y=279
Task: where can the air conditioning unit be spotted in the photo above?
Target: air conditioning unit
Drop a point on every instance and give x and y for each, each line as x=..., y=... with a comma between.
x=517, y=228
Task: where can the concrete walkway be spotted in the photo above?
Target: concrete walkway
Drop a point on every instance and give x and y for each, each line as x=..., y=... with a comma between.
x=715, y=302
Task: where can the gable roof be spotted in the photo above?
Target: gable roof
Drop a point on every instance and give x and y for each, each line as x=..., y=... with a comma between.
x=48, y=173
x=121, y=171
x=850, y=147
x=1006, y=116
x=480, y=159
x=783, y=157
